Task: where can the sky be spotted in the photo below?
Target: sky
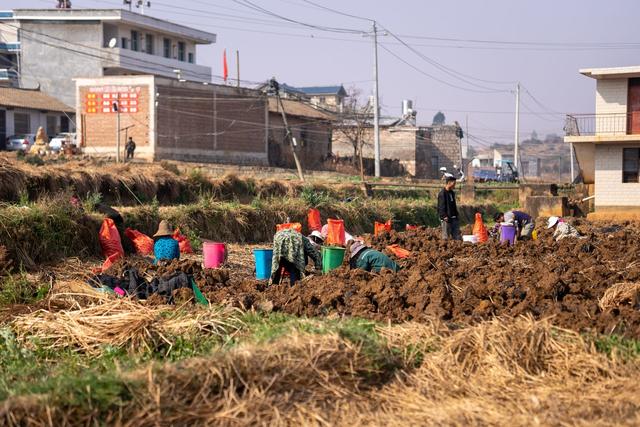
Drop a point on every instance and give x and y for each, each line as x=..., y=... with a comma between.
x=462, y=57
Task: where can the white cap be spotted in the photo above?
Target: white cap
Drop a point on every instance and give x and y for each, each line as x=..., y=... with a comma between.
x=509, y=217
x=443, y=169
x=552, y=221
x=316, y=233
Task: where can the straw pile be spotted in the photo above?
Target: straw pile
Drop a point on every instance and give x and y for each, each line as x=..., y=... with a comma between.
x=121, y=323
x=5, y=262
x=503, y=372
x=620, y=294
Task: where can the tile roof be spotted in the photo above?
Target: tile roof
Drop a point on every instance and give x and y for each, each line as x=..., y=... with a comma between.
x=322, y=90
x=31, y=99
x=297, y=108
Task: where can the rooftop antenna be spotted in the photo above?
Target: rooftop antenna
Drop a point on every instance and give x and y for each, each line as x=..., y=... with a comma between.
x=140, y=4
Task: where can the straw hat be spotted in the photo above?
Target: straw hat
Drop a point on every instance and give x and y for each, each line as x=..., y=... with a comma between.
x=164, y=229
x=355, y=248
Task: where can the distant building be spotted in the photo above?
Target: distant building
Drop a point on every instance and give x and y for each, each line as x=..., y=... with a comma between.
x=502, y=158
x=483, y=160
x=329, y=98
x=47, y=48
x=422, y=150
x=24, y=111
x=310, y=128
x=169, y=119
x=607, y=143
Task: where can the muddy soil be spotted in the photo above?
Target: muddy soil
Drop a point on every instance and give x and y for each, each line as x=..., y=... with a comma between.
x=464, y=283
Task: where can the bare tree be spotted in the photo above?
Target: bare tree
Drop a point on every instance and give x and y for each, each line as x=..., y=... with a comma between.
x=354, y=125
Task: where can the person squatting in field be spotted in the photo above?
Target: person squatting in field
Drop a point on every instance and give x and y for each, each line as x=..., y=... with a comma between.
x=523, y=222
x=165, y=246
x=562, y=229
x=365, y=258
x=291, y=251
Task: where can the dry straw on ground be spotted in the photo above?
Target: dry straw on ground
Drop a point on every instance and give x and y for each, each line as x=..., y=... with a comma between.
x=121, y=323
x=620, y=294
x=504, y=372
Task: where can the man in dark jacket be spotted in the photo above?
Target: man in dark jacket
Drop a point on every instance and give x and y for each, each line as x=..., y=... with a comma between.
x=130, y=146
x=448, y=211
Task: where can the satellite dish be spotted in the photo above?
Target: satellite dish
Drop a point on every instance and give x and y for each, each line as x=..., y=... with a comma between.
x=113, y=42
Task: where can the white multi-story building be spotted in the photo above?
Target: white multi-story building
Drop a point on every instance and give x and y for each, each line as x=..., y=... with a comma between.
x=607, y=143
x=48, y=48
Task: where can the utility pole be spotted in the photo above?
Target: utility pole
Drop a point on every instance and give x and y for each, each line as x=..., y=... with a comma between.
x=376, y=105
x=238, y=66
x=275, y=86
x=572, y=154
x=516, y=154
x=116, y=106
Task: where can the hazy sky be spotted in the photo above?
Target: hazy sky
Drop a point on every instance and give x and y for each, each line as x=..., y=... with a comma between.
x=541, y=43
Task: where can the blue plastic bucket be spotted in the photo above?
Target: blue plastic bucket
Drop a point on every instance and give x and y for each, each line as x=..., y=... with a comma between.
x=263, y=263
x=508, y=233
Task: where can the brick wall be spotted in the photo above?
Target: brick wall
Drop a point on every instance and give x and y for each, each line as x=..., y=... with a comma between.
x=609, y=189
x=611, y=100
x=313, y=137
x=98, y=128
x=437, y=146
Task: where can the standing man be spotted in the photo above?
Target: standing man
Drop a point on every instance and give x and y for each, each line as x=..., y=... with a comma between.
x=448, y=211
x=130, y=147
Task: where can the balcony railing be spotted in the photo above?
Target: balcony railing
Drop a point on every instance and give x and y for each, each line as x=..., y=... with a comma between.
x=602, y=124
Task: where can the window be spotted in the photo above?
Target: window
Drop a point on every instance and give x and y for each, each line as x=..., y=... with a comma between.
x=148, y=39
x=323, y=100
x=435, y=166
x=64, y=124
x=21, y=123
x=135, y=40
x=52, y=126
x=630, y=164
x=190, y=58
x=182, y=51
x=166, y=43
x=124, y=43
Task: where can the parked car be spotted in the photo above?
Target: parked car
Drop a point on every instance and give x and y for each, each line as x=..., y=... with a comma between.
x=65, y=138
x=21, y=142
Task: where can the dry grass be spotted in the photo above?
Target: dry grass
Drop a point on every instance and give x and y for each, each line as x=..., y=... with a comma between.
x=503, y=372
x=120, y=323
x=620, y=294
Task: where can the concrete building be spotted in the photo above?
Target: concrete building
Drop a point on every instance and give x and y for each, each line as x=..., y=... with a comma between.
x=310, y=128
x=24, y=111
x=330, y=98
x=170, y=119
x=607, y=143
x=48, y=48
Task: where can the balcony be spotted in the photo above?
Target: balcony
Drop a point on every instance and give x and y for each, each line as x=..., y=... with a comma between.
x=602, y=128
x=139, y=62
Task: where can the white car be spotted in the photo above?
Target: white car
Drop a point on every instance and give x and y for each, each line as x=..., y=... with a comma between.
x=21, y=142
x=61, y=139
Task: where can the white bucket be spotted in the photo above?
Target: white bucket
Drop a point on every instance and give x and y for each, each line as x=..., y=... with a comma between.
x=470, y=238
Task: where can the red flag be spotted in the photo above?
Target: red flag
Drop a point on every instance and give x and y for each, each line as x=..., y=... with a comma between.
x=225, y=72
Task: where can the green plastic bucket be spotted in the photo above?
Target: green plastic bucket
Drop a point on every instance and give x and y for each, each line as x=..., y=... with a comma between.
x=332, y=257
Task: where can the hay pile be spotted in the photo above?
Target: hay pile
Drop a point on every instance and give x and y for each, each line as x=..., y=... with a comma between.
x=121, y=323
x=620, y=294
x=503, y=372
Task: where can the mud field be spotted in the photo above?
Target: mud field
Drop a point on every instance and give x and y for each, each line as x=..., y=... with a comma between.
x=463, y=283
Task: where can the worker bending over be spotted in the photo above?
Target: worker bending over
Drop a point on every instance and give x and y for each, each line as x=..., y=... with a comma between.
x=523, y=222
x=365, y=258
x=291, y=251
x=165, y=246
x=562, y=229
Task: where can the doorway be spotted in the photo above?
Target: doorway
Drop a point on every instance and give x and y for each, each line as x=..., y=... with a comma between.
x=633, y=107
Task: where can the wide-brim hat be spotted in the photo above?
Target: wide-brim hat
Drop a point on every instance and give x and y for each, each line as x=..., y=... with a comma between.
x=552, y=221
x=356, y=248
x=164, y=229
x=317, y=234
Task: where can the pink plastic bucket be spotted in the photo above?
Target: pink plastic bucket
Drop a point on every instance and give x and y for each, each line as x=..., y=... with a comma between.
x=214, y=254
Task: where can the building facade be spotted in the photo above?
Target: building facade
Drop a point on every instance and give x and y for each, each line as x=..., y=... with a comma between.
x=48, y=48
x=607, y=143
x=312, y=130
x=170, y=119
x=24, y=111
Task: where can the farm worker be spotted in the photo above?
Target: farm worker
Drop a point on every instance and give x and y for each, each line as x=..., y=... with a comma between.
x=130, y=146
x=41, y=145
x=291, y=250
x=448, y=211
x=523, y=222
x=562, y=229
x=316, y=239
x=367, y=259
x=165, y=246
